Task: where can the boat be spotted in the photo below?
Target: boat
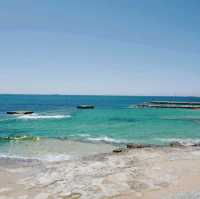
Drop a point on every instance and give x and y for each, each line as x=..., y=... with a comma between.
x=85, y=106
x=19, y=112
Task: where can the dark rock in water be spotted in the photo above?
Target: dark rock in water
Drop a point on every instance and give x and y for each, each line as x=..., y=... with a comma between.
x=85, y=106
x=119, y=150
x=196, y=144
x=136, y=146
x=19, y=112
x=176, y=144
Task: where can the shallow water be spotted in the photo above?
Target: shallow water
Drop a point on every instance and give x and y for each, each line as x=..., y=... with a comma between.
x=56, y=122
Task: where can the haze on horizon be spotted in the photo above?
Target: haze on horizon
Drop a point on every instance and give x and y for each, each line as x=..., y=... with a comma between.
x=124, y=47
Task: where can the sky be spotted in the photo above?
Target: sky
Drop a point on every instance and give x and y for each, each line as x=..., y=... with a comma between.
x=100, y=47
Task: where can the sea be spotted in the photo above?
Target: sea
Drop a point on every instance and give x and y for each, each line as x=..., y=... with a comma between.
x=57, y=130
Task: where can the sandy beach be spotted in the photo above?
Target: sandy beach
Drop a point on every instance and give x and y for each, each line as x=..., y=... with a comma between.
x=146, y=173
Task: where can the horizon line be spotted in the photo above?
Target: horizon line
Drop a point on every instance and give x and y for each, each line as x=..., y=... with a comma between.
x=114, y=95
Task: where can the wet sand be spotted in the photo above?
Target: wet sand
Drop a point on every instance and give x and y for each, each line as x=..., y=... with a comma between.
x=147, y=173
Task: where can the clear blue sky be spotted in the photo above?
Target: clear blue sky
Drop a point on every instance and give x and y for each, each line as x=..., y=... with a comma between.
x=126, y=47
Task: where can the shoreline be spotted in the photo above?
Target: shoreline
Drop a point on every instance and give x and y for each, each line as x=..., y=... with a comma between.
x=41, y=149
x=146, y=173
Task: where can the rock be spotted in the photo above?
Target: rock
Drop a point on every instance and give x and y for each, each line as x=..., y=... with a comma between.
x=119, y=150
x=176, y=144
x=196, y=144
x=136, y=146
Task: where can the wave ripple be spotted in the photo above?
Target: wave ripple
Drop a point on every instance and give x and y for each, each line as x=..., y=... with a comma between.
x=36, y=116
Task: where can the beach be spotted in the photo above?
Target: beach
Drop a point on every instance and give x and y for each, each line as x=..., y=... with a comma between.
x=61, y=152
x=146, y=173
x=99, y=99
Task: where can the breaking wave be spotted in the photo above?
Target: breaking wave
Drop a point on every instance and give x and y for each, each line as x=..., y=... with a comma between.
x=106, y=140
x=84, y=137
x=186, y=141
x=36, y=116
x=47, y=157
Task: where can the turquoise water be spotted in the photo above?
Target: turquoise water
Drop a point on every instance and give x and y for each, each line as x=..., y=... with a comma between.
x=112, y=121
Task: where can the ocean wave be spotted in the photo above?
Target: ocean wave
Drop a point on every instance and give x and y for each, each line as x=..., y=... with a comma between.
x=81, y=135
x=183, y=141
x=85, y=137
x=189, y=118
x=106, y=140
x=36, y=116
x=47, y=157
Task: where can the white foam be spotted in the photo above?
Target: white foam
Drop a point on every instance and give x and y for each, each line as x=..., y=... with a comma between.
x=82, y=135
x=56, y=158
x=105, y=139
x=186, y=141
x=49, y=158
x=88, y=137
x=36, y=116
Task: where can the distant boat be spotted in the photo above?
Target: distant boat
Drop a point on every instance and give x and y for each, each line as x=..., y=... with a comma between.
x=85, y=106
x=19, y=112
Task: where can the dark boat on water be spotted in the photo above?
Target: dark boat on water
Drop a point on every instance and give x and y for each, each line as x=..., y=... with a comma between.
x=85, y=106
x=19, y=112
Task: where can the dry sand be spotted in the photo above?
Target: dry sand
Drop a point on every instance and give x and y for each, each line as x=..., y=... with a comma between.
x=148, y=173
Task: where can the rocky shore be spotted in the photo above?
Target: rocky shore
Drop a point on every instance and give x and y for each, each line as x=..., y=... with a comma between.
x=139, y=171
